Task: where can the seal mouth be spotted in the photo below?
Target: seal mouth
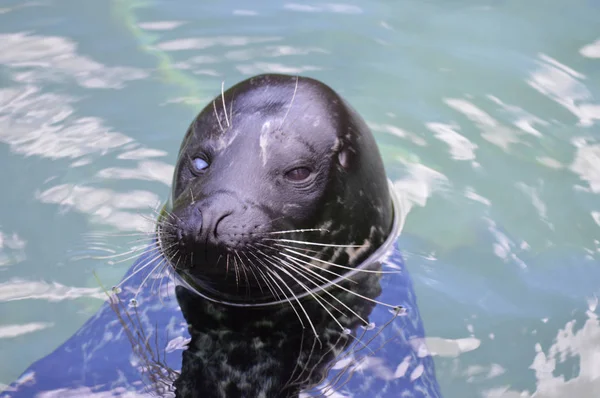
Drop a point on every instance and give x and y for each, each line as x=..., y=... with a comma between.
x=227, y=292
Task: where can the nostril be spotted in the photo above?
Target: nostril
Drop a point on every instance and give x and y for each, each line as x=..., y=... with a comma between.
x=189, y=226
x=215, y=232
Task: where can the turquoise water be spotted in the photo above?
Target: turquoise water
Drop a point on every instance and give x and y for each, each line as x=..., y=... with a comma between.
x=487, y=115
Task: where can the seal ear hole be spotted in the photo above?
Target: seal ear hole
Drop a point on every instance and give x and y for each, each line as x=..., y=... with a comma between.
x=298, y=174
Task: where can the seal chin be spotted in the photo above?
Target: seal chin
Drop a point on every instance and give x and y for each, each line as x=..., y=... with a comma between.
x=224, y=290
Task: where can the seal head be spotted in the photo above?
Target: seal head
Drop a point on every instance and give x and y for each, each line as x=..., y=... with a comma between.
x=279, y=187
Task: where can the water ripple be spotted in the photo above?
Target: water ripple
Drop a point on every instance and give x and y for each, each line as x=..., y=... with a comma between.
x=52, y=58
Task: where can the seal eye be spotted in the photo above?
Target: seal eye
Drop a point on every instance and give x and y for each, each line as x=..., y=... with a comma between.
x=199, y=164
x=298, y=174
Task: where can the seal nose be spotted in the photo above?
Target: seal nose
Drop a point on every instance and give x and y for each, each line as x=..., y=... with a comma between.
x=201, y=223
x=190, y=226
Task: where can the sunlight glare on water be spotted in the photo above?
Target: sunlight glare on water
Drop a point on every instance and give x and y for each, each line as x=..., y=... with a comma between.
x=487, y=114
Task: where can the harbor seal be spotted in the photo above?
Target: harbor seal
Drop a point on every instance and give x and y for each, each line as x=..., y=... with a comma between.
x=279, y=191
x=276, y=229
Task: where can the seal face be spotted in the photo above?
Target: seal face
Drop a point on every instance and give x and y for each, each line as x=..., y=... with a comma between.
x=279, y=187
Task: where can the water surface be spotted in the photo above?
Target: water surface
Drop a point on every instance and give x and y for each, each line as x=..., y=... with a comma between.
x=487, y=114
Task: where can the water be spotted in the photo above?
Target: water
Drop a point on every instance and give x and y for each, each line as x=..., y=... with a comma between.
x=486, y=113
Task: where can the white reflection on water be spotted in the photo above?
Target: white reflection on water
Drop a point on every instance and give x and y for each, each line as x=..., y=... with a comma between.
x=51, y=58
x=587, y=164
x=145, y=170
x=451, y=347
x=419, y=184
x=248, y=13
x=563, y=85
x=106, y=206
x=161, y=25
x=504, y=247
x=491, y=130
x=43, y=124
x=398, y=132
x=523, y=119
x=18, y=289
x=271, y=52
x=584, y=343
x=9, y=331
x=12, y=249
x=591, y=50
x=460, y=146
x=35, y=122
x=337, y=8
x=199, y=43
x=87, y=392
x=270, y=67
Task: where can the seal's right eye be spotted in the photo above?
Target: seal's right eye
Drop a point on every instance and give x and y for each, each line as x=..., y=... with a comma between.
x=199, y=165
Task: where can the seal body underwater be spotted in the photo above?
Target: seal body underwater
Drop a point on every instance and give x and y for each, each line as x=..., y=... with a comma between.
x=278, y=203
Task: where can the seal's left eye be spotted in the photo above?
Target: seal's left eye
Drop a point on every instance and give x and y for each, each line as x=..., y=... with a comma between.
x=298, y=174
x=200, y=164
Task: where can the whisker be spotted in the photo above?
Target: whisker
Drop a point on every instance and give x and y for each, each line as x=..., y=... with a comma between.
x=242, y=266
x=135, y=249
x=297, y=381
x=341, y=266
x=237, y=276
x=147, y=263
x=223, y=98
x=312, y=326
x=148, y=218
x=291, y=378
x=316, y=297
x=110, y=235
x=176, y=266
x=329, y=293
x=251, y=266
x=145, y=279
x=297, y=230
x=156, y=246
x=304, y=287
x=359, y=295
x=312, y=243
x=269, y=272
x=136, y=255
x=262, y=275
x=298, y=248
x=291, y=103
x=231, y=108
x=159, y=272
x=217, y=116
x=357, y=362
x=316, y=266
